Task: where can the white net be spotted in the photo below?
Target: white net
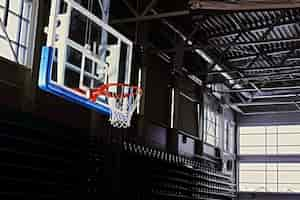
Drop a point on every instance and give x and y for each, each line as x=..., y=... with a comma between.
x=123, y=102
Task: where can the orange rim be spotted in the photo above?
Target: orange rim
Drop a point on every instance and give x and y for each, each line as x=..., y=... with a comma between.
x=103, y=91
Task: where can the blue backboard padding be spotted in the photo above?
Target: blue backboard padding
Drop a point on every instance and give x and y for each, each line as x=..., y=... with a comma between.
x=46, y=85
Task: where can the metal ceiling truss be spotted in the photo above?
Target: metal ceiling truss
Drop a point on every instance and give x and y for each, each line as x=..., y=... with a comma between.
x=273, y=52
x=260, y=42
x=262, y=89
x=130, y=8
x=139, y=17
x=244, y=29
x=282, y=80
x=273, y=74
x=264, y=37
x=242, y=5
x=257, y=27
x=255, y=46
x=151, y=17
x=266, y=103
x=249, y=78
x=258, y=69
x=271, y=112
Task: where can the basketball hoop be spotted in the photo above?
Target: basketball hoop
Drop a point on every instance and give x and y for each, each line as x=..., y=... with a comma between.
x=121, y=98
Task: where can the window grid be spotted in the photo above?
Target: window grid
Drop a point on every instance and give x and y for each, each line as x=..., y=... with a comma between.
x=229, y=137
x=270, y=177
x=255, y=184
x=19, y=12
x=15, y=14
x=210, y=124
x=277, y=142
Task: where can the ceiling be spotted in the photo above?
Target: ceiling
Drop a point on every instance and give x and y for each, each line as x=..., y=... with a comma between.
x=253, y=49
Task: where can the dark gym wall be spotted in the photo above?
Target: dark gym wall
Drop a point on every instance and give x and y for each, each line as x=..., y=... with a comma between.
x=157, y=91
x=187, y=102
x=40, y=159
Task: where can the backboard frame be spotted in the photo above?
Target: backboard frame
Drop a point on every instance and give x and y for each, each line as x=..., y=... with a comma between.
x=59, y=46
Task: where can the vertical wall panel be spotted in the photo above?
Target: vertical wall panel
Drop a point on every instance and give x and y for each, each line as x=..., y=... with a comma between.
x=157, y=92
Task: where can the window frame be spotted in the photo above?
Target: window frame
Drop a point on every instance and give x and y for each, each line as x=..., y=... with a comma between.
x=265, y=145
x=267, y=170
x=29, y=46
x=207, y=109
x=278, y=159
x=229, y=141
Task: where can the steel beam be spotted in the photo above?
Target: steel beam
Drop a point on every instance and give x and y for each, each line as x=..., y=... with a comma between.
x=149, y=7
x=151, y=17
x=265, y=76
x=255, y=87
x=264, y=37
x=271, y=112
x=236, y=108
x=283, y=23
x=270, y=53
x=129, y=6
x=274, y=67
x=262, y=89
x=278, y=81
x=294, y=59
x=104, y=34
x=276, y=96
x=101, y=6
x=244, y=5
x=266, y=103
x=297, y=105
x=237, y=69
x=261, y=42
x=251, y=83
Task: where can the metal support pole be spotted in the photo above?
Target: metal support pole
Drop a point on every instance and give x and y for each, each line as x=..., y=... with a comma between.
x=106, y=8
x=104, y=35
x=55, y=4
x=129, y=6
x=151, y=17
x=149, y=7
x=95, y=118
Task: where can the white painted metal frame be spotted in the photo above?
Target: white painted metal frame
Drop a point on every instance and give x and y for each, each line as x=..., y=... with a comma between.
x=58, y=38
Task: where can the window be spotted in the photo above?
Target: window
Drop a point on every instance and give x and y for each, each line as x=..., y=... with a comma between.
x=271, y=140
x=210, y=123
x=229, y=137
x=270, y=177
x=219, y=128
x=17, y=30
x=215, y=126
